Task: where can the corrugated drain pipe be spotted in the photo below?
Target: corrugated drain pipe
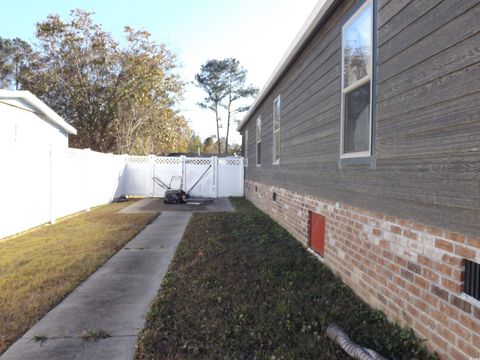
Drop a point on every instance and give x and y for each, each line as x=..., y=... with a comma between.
x=335, y=333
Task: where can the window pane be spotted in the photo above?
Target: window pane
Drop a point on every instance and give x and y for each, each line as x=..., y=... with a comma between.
x=259, y=130
x=259, y=153
x=276, y=114
x=357, y=48
x=277, y=145
x=357, y=119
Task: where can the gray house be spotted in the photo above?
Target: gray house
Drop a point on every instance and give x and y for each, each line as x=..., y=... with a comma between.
x=365, y=145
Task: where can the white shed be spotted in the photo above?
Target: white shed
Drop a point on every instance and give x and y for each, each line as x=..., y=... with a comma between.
x=27, y=121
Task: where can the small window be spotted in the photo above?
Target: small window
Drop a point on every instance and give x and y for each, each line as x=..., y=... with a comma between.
x=259, y=140
x=276, y=130
x=472, y=279
x=357, y=50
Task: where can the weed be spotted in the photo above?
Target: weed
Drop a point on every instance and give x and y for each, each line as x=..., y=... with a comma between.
x=95, y=334
x=40, y=339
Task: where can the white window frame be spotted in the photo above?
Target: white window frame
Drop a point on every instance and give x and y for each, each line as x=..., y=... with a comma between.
x=258, y=139
x=357, y=84
x=277, y=131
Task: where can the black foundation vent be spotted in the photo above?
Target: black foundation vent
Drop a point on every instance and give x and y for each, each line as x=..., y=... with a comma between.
x=472, y=279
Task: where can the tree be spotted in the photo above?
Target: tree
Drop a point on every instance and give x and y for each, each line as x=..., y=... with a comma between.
x=77, y=77
x=224, y=81
x=209, y=145
x=236, y=89
x=194, y=144
x=16, y=57
x=120, y=99
x=211, y=80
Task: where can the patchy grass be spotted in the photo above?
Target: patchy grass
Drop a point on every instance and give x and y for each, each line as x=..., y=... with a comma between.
x=240, y=287
x=94, y=334
x=39, y=268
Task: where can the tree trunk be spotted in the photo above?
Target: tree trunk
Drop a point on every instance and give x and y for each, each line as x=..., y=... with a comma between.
x=228, y=125
x=218, y=130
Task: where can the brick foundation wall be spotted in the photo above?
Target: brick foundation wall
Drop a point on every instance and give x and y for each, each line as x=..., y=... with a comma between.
x=412, y=272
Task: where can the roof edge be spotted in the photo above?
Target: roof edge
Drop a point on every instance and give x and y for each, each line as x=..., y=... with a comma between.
x=316, y=16
x=39, y=105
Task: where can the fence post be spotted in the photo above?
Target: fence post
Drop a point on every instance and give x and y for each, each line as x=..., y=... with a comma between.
x=215, y=176
x=151, y=162
x=242, y=176
x=184, y=172
x=51, y=186
x=86, y=155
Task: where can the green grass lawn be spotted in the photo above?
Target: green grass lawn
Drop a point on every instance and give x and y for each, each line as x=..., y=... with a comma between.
x=41, y=267
x=240, y=287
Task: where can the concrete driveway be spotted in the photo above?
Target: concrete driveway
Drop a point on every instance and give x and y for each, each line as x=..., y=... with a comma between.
x=115, y=299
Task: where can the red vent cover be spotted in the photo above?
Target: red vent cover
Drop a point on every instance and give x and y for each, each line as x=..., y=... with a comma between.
x=317, y=233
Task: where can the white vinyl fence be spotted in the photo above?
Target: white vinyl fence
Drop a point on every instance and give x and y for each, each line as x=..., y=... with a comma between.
x=42, y=185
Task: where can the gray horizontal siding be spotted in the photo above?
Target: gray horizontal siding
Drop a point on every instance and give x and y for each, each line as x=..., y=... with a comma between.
x=428, y=117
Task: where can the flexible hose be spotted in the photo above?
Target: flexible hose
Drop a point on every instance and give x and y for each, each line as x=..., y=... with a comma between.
x=335, y=333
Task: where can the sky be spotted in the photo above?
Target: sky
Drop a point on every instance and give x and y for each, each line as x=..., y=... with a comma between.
x=256, y=32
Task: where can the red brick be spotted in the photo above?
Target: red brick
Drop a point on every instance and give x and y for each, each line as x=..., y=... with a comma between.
x=422, y=282
x=444, y=245
x=461, y=331
x=444, y=269
x=400, y=261
x=410, y=234
x=412, y=289
x=430, y=299
x=465, y=252
x=469, y=322
x=449, y=311
x=476, y=312
x=414, y=267
x=442, y=294
x=434, y=231
x=473, y=242
x=454, y=236
x=437, y=340
x=423, y=306
x=461, y=304
x=452, y=260
x=457, y=355
x=440, y=316
x=422, y=260
x=446, y=334
x=395, y=229
x=407, y=275
x=468, y=349
x=377, y=232
x=452, y=285
x=430, y=275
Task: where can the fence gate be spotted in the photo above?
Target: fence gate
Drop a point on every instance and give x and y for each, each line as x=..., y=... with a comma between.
x=201, y=177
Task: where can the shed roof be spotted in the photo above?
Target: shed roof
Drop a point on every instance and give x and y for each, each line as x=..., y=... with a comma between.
x=38, y=106
x=318, y=15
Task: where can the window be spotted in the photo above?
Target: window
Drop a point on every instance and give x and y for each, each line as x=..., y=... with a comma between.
x=245, y=144
x=259, y=140
x=276, y=130
x=357, y=50
x=472, y=279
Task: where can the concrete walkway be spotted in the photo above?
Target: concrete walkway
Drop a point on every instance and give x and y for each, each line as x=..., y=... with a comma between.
x=116, y=299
